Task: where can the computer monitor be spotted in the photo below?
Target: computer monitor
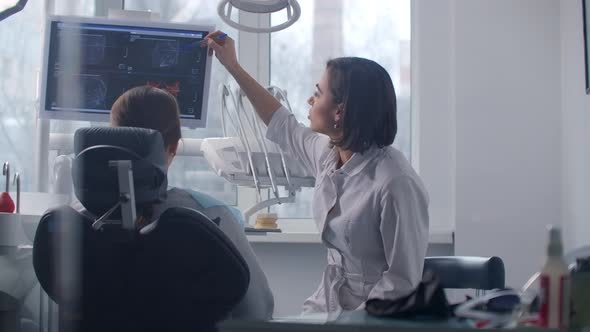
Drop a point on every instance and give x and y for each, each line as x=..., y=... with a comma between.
x=89, y=62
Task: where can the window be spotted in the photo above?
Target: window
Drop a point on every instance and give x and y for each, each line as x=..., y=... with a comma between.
x=329, y=29
x=19, y=70
x=20, y=59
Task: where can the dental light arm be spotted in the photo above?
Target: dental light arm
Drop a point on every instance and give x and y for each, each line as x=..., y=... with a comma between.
x=20, y=5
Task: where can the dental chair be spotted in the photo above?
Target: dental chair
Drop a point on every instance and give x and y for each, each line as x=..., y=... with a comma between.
x=9, y=307
x=179, y=273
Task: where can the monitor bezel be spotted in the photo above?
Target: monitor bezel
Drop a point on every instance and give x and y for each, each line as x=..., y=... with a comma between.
x=44, y=113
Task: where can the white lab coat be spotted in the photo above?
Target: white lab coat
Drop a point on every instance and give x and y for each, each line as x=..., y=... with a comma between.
x=372, y=214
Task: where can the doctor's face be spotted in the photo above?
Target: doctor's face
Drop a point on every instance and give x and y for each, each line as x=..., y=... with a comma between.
x=324, y=113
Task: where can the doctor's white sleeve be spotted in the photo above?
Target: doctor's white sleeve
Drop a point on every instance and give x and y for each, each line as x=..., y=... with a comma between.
x=298, y=141
x=404, y=234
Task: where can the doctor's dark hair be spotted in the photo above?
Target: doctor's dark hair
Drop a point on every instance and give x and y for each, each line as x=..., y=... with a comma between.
x=370, y=105
x=151, y=108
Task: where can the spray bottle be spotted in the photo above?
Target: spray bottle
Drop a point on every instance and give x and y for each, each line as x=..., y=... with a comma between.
x=554, y=310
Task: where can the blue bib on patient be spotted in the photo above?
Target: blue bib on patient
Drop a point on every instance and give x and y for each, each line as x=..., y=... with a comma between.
x=207, y=201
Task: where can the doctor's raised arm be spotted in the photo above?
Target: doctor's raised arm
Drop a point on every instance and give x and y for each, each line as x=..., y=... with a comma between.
x=264, y=103
x=369, y=205
x=301, y=142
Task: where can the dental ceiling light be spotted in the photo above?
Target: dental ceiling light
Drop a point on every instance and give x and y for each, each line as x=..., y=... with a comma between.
x=259, y=7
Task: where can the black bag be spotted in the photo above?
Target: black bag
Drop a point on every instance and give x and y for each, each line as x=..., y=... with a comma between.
x=427, y=300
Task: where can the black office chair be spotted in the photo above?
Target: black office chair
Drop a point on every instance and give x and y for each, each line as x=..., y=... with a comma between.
x=183, y=275
x=466, y=272
x=9, y=313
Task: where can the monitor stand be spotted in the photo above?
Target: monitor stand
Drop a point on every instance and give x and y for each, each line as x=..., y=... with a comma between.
x=138, y=15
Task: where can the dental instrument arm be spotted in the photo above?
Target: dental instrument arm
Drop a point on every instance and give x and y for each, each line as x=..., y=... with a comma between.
x=263, y=101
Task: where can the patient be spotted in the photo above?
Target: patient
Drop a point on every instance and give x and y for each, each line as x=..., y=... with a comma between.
x=153, y=108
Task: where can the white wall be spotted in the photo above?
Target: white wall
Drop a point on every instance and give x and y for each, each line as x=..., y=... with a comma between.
x=576, y=127
x=432, y=106
x=508, y=130
x=498, y=140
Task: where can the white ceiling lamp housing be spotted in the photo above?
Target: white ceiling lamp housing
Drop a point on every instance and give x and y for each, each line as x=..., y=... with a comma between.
x=259, y=7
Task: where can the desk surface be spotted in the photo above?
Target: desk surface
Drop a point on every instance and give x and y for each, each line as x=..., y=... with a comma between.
x=357, y=321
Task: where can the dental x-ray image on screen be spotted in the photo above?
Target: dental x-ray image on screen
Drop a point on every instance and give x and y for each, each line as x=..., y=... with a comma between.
x=90, y=62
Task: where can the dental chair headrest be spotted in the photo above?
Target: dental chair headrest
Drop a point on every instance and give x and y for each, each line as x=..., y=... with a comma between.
x=96, y=183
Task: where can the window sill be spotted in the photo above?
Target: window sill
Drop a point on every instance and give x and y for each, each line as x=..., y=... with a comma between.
x=304, y=230
x=436, y=237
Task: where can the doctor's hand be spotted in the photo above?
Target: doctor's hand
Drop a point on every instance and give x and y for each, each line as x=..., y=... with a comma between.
x=224, y=48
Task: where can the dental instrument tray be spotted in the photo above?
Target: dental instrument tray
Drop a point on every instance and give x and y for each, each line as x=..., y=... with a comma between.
x=245, y=157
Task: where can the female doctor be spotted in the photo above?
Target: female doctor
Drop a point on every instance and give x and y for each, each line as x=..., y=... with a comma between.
x=369, y=204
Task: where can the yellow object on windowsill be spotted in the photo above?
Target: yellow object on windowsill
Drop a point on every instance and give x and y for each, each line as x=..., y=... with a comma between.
x=266, y=220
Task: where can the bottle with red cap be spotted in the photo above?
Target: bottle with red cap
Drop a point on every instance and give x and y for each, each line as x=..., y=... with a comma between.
x=6, y=202
x=554, y=295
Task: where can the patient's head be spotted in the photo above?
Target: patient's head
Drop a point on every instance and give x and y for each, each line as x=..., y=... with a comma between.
x=152, y=108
